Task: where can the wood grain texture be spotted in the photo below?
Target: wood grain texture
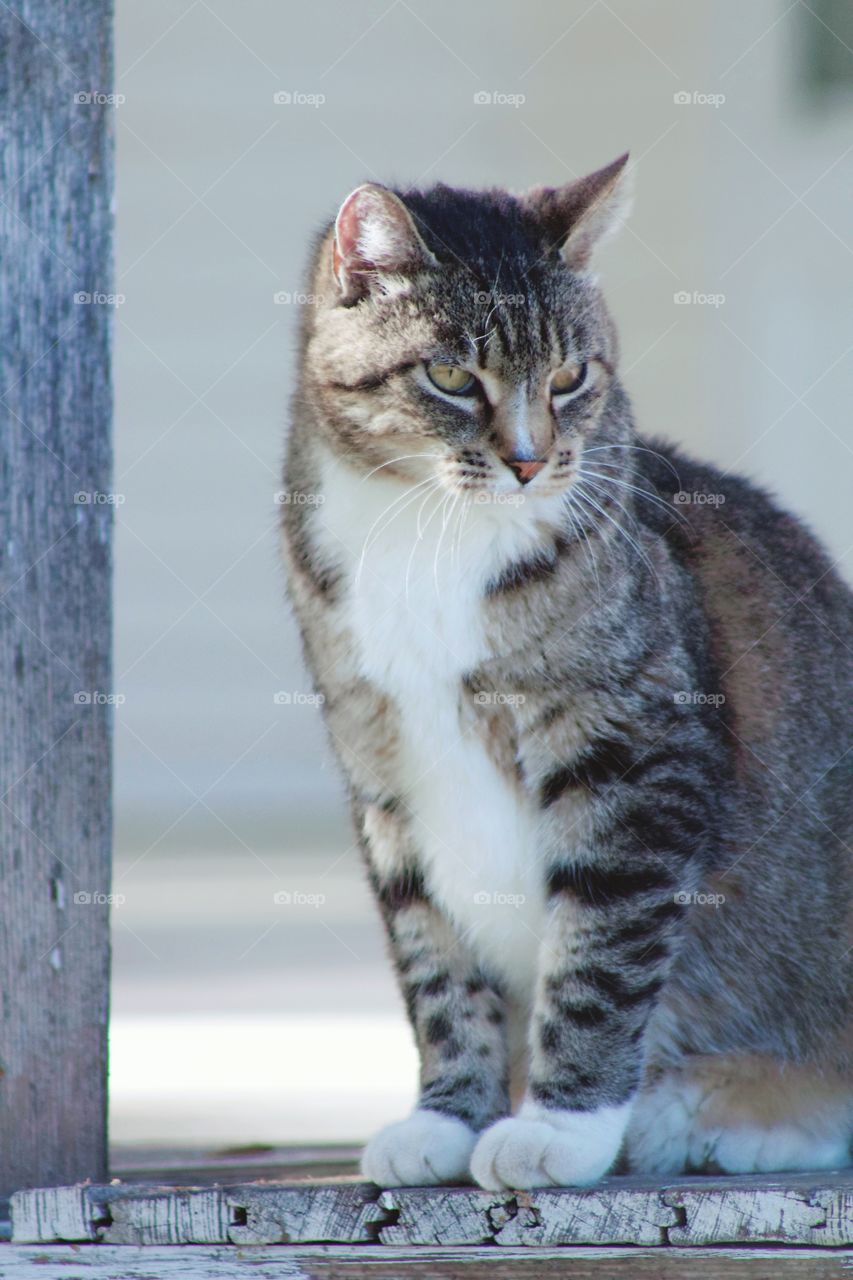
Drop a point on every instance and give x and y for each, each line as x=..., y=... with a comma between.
x=105, y=1262
x=693, y=1212
x=55, y=468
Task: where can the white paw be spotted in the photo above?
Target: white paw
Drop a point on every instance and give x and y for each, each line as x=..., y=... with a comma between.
x=427, y=1149
x=751, y=1149
x=542, y=1148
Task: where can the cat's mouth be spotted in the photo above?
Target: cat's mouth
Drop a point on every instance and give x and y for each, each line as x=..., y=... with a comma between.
x=509, y=481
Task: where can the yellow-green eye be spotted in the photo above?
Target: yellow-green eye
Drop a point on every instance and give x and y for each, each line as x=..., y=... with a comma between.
x=570, y=378
x=451, y=378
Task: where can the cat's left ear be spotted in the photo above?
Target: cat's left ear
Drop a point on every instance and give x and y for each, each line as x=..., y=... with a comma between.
x=577, y=216
x=375, y=235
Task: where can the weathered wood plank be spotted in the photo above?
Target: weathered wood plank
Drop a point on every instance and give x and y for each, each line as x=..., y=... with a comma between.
x=440, y=1216
x=801, y=1210
x=457, y=1216
x=303, y=1214
x=104, y=1262
x=55, y=523
x=53, y=1213
x=805, y=1209
x=173, y=1217
x=254, y=1214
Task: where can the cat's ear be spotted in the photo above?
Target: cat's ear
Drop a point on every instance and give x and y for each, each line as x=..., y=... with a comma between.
x=577, y=216
x=375, y=236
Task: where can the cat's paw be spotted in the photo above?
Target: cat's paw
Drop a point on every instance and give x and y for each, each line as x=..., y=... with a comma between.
x=754, y=1149
x=427, y=1149
x=543, y=1148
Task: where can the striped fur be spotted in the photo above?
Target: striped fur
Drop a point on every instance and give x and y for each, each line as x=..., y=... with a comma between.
x=597, y=739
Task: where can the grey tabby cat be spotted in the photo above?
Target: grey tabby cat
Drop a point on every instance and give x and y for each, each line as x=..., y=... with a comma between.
x=596, y=737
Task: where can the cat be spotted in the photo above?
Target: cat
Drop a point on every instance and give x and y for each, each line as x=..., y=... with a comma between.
x=592, y=702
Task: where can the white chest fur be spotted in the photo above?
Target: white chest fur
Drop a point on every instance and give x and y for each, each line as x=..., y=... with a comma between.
x=414, y=606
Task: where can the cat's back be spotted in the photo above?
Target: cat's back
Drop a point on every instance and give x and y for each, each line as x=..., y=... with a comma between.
x=779, y=613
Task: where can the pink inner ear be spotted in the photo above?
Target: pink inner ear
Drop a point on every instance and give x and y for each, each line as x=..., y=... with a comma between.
x=347, y=229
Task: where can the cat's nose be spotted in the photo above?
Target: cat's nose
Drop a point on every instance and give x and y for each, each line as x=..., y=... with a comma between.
x=524, y=469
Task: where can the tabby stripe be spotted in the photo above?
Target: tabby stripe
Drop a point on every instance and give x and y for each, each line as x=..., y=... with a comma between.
x=402, y=890
x=563, y=1095
x=582, y=1015
x=375, y=380
x=605, y=761
x=600, y=886
x=647, y=953
x=665, y=830
x=615, y=987
x=522, y=573
x=325, y=581
x=648, y=925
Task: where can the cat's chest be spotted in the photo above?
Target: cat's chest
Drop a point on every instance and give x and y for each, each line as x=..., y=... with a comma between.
x=414, y=609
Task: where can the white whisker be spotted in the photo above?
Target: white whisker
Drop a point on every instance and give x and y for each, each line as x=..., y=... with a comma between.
x=420, y=533
x=411, y=494
x=452, y=499
x=644, y=493
x=585, y=497
x=402, y=458
x=637, y=448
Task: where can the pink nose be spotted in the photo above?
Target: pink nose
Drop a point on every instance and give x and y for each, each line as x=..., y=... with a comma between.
x=524, y=470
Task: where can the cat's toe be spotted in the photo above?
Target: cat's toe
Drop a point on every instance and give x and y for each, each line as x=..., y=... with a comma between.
x=539, y=1148
x=426, y=1149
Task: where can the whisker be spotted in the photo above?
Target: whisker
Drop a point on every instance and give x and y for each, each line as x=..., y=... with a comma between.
x=402, y=458
x=637, y=448
x=460, y=524
x=411, y=494
x=420, y=533
x=668, y=507
x=578, y=526
x=585, y=497
x=452, y=499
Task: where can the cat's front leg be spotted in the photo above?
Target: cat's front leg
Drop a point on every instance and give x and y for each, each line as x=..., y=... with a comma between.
x=457, y=1013
x=612, y=928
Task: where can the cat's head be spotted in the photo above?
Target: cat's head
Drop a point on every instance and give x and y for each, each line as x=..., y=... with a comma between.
x=461, y=335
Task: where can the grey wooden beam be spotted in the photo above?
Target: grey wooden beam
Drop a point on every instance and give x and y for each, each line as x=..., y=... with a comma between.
x=55, y=518
x=196, y=1262
x=802, y=1210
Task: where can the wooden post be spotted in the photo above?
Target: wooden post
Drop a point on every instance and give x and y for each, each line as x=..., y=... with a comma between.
x=56, y=129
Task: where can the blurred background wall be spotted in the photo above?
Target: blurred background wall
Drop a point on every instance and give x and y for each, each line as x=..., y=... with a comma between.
x=239, y=1017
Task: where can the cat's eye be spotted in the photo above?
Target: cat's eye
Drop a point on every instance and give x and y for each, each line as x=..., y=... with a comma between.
x=568, y=379
x=451, y=378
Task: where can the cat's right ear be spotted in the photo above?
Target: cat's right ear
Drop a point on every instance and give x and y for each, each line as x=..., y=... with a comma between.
x=576, y=217
x=375, y=236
